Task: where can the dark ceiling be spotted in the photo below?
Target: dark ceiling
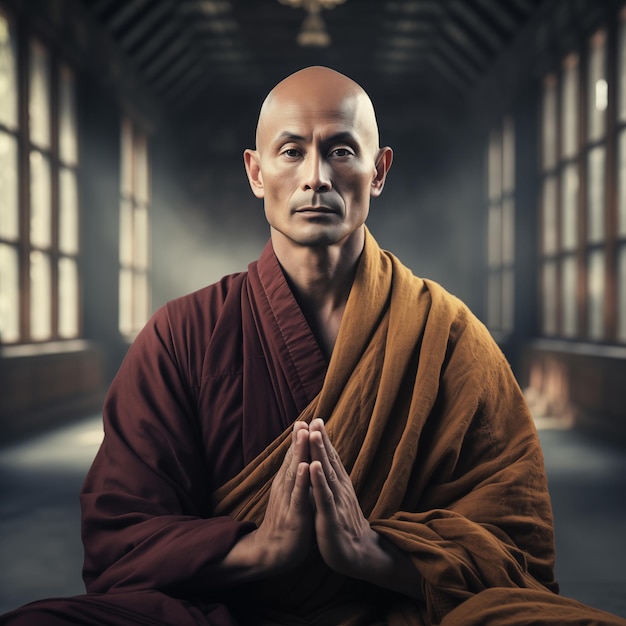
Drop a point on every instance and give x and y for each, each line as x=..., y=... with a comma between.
x=187, y=51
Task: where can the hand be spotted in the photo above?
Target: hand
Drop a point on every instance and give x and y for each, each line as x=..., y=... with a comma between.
x=284, y=537
x=345, y=538
x=346, y=541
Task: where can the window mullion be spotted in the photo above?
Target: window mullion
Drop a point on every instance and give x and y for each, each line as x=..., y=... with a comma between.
x=611, y=185
x=24, y=182
x=54, y=189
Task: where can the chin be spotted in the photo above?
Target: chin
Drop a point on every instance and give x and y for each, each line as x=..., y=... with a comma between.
x=319, y=237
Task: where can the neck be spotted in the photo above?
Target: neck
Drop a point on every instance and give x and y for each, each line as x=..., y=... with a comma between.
x=321, y=278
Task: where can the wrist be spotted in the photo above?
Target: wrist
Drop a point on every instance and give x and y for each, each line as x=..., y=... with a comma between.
x=248, y=560
x=385, y=565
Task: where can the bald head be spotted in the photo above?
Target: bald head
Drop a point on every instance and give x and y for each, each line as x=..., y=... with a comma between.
x=317, y=162
x=314, y=91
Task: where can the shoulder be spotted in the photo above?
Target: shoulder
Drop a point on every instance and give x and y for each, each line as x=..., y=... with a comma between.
x=203, y=305
x=462, y=320
x=187, y=322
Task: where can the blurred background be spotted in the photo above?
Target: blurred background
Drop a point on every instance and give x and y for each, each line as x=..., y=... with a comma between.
x=122, y=127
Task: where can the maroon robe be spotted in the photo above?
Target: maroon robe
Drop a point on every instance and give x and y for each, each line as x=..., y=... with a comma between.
x=207, y=385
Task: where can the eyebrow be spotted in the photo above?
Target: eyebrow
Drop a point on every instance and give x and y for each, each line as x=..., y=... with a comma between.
x=340, y=136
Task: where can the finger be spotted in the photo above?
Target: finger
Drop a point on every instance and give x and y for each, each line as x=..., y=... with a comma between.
x=322, y=493
x=286, y=468
x=317, y=426
x=297, y=427
x=319, y=453
x=300, y=494
x=300, y=454
x=332, y=454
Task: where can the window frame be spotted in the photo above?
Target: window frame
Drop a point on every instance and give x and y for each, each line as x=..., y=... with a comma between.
x=26, y=40
x=135, y=209
x=501, y=215
x=590, y=318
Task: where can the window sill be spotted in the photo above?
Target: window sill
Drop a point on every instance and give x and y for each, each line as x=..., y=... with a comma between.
x=30, y=350
x=579, y=348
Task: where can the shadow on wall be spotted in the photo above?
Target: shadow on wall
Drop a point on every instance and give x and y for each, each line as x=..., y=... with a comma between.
x=427, y=216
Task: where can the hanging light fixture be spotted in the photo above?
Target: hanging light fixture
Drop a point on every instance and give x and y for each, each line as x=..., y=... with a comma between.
x=313, y=31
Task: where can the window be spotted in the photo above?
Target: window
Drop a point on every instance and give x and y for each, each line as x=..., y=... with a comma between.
x=582, y=255
x=39, y=208
x=134, y=279
x=501, y=227
x=560, y=201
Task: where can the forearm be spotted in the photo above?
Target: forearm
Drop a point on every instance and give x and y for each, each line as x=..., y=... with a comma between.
x=248, y=560
x=385, y=565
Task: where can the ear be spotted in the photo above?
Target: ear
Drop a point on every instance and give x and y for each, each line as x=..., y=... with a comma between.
x=383, y=164
x=253, y=169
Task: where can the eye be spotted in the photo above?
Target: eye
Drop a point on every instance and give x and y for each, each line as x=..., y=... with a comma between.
x=292, y=153
x=341, y=152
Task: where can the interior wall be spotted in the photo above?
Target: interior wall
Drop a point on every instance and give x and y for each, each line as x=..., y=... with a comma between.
x=208, y=223
x=205, y=222
x=429, y=213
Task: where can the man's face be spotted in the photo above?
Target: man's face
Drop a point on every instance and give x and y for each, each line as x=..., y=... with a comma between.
x=316, y=157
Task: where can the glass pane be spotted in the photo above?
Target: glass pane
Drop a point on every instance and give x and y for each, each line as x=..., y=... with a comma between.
x=494, y=245
x=39, y=100
x=508, y=300
x=569, y=107
x=508, y=231
x=621, y=68
x=40, y=201
x=68, y=211
x=597, y=86
x=494, y=301
x=142, y=191
x=9, y=295
x=68, y=134
x=8, y=74
x=141, y=238
x=141, y=301
x=549, y=122
x=508, y=156
x=621, y=183
x=569, y=213
x=68, y=298
x=570, y=311
x=549, y=298
x=126, y=301
x=9, y=217
x=40, y=296
x=548, y=212
x=621, y=294
x=595, y=198
x=595, y=294
x=495, y=166
x=126, y=233
x=126, y=158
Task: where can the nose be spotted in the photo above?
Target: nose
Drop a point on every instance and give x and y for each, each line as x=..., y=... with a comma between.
x=316, y=175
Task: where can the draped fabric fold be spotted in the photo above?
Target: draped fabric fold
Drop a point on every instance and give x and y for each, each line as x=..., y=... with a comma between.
x=433, y=429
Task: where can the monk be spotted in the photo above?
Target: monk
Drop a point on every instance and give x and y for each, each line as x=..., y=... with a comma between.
x=324, y=439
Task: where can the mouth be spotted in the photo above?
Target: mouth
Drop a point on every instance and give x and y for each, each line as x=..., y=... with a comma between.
x=316, y=210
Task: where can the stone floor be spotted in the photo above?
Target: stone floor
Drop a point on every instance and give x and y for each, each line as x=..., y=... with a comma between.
x=41, y=554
